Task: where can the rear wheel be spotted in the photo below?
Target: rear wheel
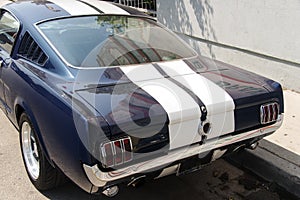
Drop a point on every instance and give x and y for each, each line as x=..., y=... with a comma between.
x=41, y=173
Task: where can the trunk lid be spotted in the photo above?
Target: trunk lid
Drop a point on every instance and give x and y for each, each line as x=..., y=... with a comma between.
x=174, y=97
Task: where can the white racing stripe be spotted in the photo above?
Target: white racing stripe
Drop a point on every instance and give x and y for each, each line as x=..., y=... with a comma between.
x=183, y=112
x=4, y=2
x=75, y=7
x=106, y=7
x=220, y=105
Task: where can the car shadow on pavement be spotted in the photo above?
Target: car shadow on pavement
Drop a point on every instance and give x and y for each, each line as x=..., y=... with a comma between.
x=171, y=187
x=220, y=180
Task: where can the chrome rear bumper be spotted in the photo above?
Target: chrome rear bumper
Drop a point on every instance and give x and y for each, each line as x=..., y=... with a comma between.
x=100, y=179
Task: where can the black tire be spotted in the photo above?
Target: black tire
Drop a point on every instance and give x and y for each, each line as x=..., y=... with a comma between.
x=46, y=177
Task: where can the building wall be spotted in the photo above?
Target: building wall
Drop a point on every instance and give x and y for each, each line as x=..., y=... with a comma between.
x=259, y=35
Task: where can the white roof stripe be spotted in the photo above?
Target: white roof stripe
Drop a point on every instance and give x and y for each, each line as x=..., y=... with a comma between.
x=75, y=7
x=106, y=7
x=4, y=2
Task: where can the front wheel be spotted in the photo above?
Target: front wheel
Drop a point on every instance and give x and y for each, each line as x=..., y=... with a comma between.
x=41, y=173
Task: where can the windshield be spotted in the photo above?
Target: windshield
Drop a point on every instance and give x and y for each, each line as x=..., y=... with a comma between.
x=98, y=41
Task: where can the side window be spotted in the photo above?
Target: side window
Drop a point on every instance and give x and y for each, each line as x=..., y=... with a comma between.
x=9, y=27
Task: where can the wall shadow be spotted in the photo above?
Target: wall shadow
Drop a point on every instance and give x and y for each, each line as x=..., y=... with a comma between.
x=180, y=15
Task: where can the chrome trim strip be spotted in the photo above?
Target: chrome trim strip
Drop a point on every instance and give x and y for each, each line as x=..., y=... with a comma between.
x=262, y=114
x=124, y=150
x=270, y=113
x=100, y=179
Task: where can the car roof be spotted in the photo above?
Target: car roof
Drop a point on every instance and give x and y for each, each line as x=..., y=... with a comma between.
x=33, y=11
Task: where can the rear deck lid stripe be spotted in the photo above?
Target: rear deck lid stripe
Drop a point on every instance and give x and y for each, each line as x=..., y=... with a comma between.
x=219, y=104
x=183, y=112
x=187, y=89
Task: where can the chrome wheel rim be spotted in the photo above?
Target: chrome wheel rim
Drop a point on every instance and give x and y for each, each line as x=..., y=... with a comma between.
x=30, y=151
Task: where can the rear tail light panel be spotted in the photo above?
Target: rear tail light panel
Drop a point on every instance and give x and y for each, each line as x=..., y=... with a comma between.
x=269, y=113
x=116, y=152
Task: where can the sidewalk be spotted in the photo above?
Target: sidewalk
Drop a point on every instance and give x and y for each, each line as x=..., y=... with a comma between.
x=277, y=158
x=288, y=136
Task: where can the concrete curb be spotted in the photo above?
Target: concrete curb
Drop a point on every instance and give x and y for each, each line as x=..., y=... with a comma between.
x=274, y=164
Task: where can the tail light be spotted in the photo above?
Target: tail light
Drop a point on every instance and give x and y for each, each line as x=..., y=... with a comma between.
x=127, y=148
x=116, y=152
x=269, y=113
x=118, y=157
x=109, y=154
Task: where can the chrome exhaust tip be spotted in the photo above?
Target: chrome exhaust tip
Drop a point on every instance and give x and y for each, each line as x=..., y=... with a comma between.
x=111, y=191
x=135, y=182
x=253, y=146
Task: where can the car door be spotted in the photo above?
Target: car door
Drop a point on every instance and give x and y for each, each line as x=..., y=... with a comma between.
x=9, y=27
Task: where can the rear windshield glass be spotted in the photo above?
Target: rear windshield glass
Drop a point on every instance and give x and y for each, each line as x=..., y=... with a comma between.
x=98, y=41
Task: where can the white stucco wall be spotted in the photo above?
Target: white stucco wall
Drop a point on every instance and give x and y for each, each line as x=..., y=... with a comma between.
x=266, y=27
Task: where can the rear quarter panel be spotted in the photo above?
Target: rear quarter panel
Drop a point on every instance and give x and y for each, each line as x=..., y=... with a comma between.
x=51, y=115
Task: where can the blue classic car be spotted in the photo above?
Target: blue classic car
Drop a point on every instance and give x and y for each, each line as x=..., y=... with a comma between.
x=104, y=95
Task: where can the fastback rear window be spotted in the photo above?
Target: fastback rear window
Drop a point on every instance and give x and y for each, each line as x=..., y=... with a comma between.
x=98, y=41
